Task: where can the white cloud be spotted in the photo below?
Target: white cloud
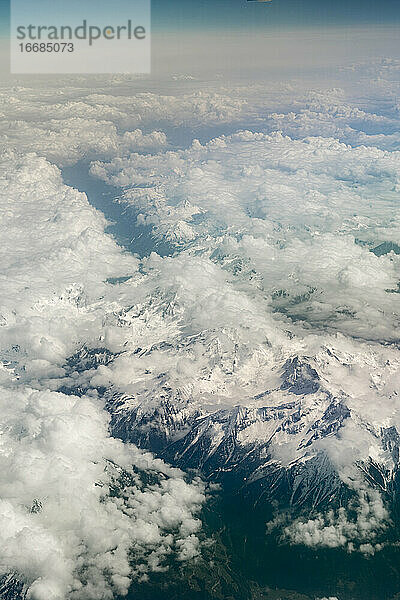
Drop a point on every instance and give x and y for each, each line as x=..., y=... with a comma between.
x=73, y=125
x=62, y=530
x=336, y=529
x=281, y=206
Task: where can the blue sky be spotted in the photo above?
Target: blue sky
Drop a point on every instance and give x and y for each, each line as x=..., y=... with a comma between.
x=4, y=17
x=240, y=14
x=233, y=14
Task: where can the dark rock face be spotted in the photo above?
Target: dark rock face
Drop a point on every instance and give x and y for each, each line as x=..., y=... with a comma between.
x=88, y=358
x=391, y=442
x=214, y=445
x=11, y=588
x=150, y=429
x=385, y=248
x=299, y=377
x=332, y=420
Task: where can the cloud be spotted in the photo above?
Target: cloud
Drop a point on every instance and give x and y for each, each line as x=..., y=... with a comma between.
x=71, y=139
x=336, y=529
x=92, y=125
x=64, y=530
x=284, y=206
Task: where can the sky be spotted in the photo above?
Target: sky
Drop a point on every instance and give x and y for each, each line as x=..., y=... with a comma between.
x=172, y=15
x=242, y=14
x=257, y=38
x=193, y=36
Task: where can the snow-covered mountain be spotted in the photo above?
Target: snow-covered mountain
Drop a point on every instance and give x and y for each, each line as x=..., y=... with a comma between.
x=306, y=442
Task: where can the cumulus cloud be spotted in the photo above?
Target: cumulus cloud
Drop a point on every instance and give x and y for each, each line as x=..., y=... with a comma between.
x=68, y=140
x=65, y=128
x=58, y=259
x=63, y=530
x=282, y=206
x=335, y=529
x=81, y=513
